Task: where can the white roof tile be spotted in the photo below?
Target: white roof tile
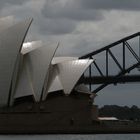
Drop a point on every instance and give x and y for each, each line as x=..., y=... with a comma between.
x=11, y=40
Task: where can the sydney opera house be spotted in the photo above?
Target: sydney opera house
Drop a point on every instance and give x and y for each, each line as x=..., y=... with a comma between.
x=39, y=92
x=44, y=94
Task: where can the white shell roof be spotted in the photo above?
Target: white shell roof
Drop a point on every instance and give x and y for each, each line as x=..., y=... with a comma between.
x=54, y=83
x=70, y=72
x=24, y=84
x=11, y=40
x=37, y=62
x=30, y=46
x=57, y=60
x=40, y=72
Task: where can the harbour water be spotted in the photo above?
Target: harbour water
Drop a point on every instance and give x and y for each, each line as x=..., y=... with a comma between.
x=72, y=137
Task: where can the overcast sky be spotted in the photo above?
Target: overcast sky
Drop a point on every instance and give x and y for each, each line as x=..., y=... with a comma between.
x=81, y=26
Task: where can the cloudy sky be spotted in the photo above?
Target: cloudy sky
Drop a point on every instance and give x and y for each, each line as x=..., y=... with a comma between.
x=81, y=26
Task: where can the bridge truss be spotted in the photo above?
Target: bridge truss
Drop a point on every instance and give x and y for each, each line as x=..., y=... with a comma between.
x=116, y=62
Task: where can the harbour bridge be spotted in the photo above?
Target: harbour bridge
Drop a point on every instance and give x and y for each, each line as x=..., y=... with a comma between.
x=118, y=62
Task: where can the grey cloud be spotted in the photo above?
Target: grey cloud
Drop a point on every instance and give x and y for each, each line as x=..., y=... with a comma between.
x=71, y=9
x=62, y=16
x=3, y=3
x=111, y=4
x=57, y=26
x=28, y=8
x=85, y=9
x=6, y=22
x=41, y=25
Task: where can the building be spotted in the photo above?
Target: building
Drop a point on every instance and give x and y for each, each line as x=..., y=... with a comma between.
x=41, y=93
x=31, y=70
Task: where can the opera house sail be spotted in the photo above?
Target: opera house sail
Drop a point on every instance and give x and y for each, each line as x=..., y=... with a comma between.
x=31, y=68
x=11, y=41
x=40, y=93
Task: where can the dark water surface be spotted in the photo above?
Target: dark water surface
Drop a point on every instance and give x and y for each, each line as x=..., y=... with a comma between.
x=72, y=137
